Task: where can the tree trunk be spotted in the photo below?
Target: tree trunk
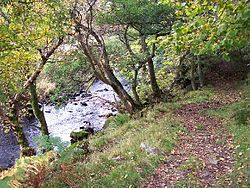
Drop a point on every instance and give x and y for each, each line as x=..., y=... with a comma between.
x=38, y=113
x=134, y=90
x=102, y=69
x=155, y=88
x=121, y=92
x=14, y=120
x=136, y=70
x=21, y=138
x=99, y=59
x=200, y=73
x=13, y=123
x=107, y=76
x=193, y=76
x=178, y=72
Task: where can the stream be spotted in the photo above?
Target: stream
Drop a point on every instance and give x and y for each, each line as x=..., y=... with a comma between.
x=82, y=110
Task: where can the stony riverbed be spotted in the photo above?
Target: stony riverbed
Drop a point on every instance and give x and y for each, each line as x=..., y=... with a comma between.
x=82, y=110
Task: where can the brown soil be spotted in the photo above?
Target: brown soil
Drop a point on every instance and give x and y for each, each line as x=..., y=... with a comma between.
x=206, y=140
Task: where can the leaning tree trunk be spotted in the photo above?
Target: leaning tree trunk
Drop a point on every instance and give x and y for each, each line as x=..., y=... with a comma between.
x=103, y=71
x=38, y=113
x=200, y=73
x=120, y=91
x=193, y=76
x=22, y=140
x=13, y=123
x=94, y=48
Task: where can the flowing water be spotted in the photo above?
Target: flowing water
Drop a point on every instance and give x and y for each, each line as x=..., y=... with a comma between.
x=82, y=110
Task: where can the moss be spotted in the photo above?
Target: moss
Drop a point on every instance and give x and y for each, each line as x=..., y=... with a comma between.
x=116, y=159
x=78, y=136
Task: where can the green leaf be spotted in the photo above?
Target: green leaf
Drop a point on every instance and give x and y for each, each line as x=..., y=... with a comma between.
x=226, y=57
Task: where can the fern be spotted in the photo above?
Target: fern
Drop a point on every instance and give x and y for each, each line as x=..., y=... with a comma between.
x=47, y=143
x=31, y=170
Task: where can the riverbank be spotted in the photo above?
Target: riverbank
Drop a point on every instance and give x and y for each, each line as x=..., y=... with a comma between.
x=84, y=110
x=202, y=136
x=129, y=150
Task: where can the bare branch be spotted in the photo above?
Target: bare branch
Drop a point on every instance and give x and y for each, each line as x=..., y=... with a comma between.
x=39, y=69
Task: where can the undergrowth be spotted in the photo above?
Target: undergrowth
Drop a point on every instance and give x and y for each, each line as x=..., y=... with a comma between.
x=116, y=158
x=28, y=172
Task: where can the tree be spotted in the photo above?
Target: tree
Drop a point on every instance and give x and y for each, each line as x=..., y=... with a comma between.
x=93, y=46
x=150, y=20
x=206, y=29
x=31, y=32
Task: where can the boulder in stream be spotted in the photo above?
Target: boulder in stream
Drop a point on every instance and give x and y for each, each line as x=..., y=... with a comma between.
x=83, y=103
x=80, y=135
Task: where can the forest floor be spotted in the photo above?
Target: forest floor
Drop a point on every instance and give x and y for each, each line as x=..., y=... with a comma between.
x=206, y=152
x=200, y=139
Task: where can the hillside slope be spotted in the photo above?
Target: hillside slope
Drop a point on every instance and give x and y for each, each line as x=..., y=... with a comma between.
x=199, y=140
x=206, y=153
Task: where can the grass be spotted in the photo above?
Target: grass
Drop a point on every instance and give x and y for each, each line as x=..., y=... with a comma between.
x=200, y=95
x=236, y=119
x=116, y=158
x=200, y=126
x=192, y=166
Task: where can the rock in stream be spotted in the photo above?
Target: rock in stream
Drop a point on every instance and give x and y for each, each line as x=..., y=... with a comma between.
x=83, y=111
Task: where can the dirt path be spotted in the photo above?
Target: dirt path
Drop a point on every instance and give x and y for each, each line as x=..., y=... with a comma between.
x=202, y=155
x=205, y=153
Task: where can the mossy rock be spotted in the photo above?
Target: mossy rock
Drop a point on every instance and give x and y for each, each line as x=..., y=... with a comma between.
x=78, y=136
